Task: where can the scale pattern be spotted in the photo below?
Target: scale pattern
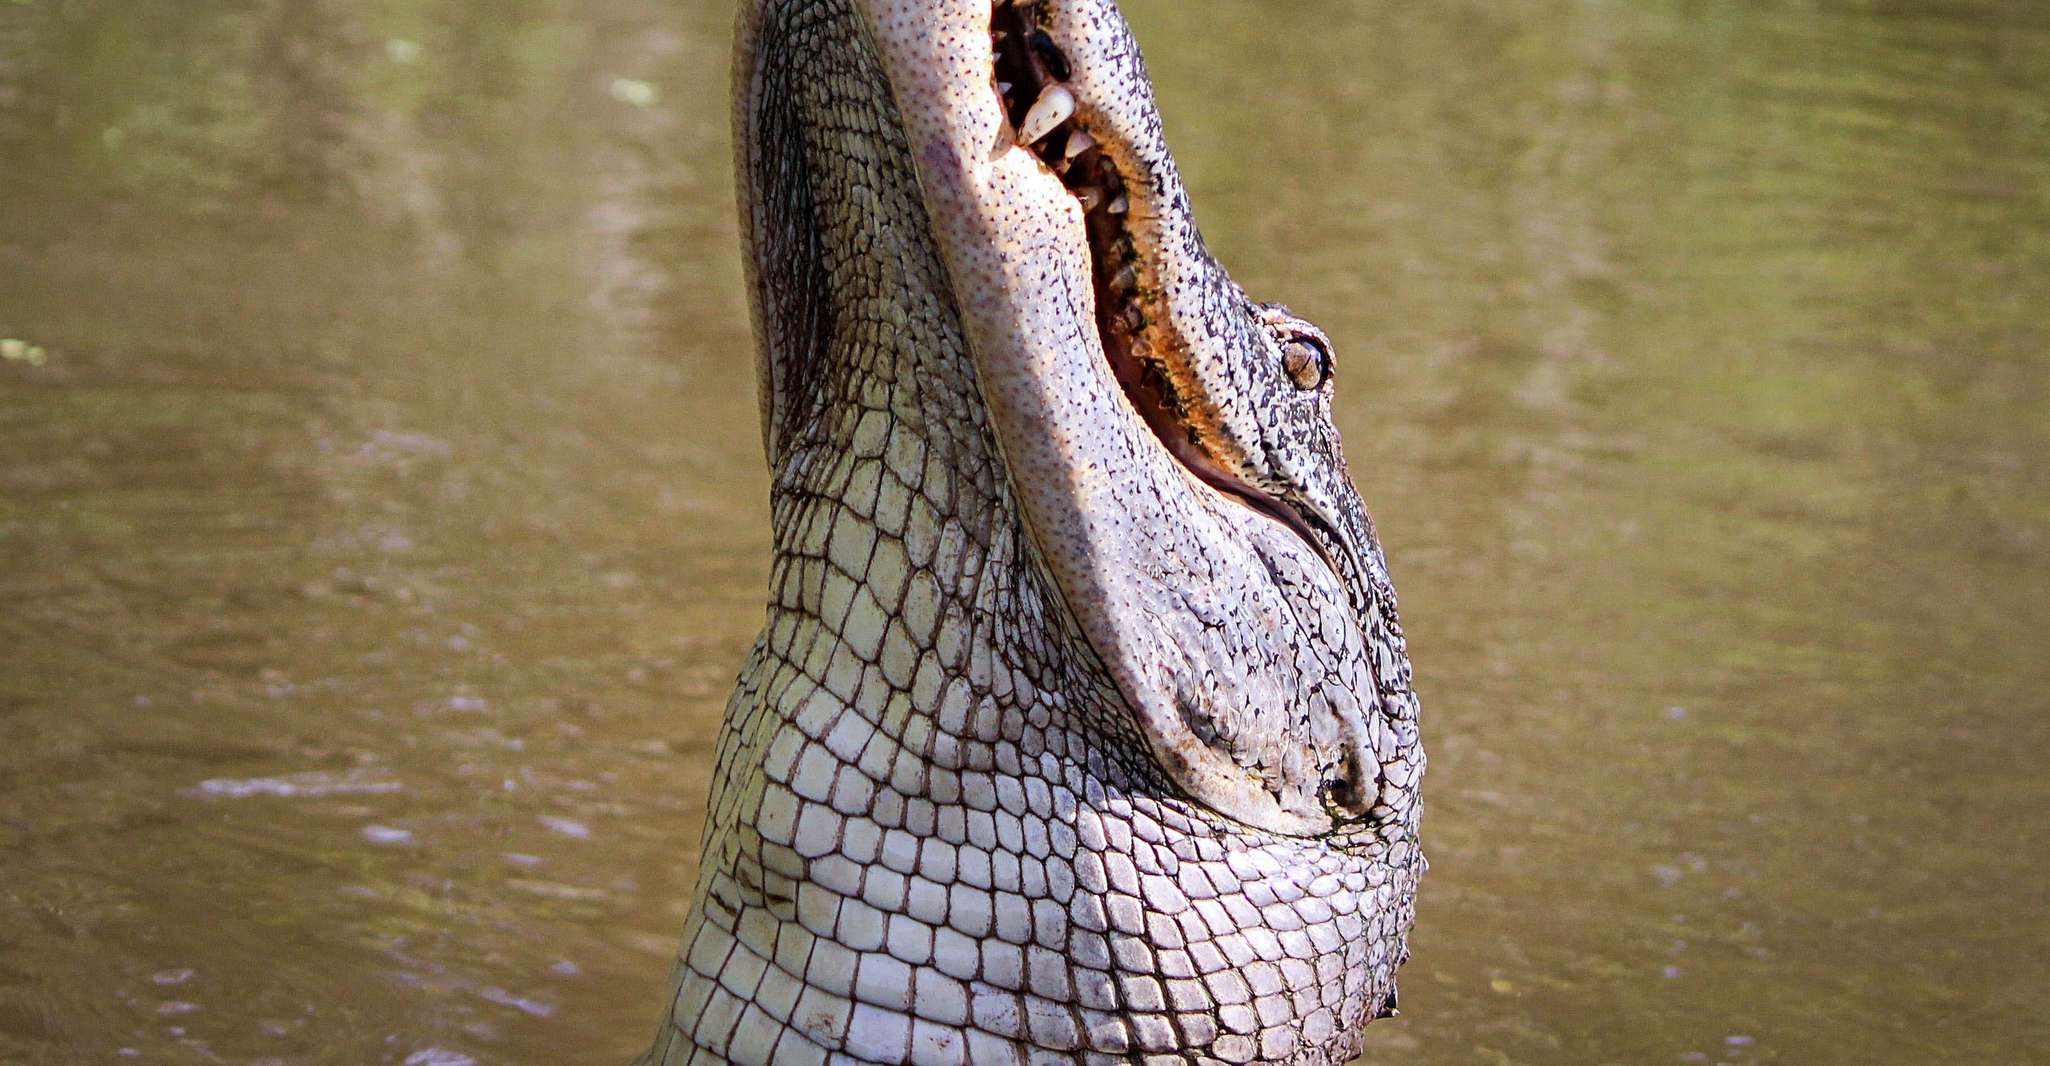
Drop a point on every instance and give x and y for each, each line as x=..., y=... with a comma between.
x=935, y=836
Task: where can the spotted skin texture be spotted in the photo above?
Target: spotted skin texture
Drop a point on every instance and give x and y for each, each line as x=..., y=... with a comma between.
x=1030, y=761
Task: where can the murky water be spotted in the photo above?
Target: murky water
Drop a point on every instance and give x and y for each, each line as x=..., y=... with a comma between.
x=382, y=519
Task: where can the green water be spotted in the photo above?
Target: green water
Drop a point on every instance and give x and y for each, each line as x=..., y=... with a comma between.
x=382, y=520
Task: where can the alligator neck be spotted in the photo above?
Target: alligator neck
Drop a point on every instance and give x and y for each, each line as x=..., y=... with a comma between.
x=934, y=833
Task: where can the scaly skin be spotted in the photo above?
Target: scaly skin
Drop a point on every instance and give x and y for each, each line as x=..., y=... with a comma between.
x=1081, y=726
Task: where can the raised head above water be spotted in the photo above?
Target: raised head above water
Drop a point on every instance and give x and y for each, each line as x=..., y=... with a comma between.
x=1081, y=723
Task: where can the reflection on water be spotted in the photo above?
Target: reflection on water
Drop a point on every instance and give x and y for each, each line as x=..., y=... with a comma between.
x=382, y=521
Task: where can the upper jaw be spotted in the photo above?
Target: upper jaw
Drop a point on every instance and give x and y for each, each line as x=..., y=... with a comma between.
x=1234, y=643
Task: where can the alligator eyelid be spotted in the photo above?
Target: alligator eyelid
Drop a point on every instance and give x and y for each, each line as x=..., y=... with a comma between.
x=1319, y=354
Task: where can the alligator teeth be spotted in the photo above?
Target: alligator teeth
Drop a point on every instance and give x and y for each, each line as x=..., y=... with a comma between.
x=1127, y=277
x=1120, y=205
x=1091, y=197
x=1078, y=142
x=1054, y=106
x=1003, y=88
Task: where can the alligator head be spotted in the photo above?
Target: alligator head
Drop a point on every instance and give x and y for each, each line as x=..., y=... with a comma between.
x=1082, y=720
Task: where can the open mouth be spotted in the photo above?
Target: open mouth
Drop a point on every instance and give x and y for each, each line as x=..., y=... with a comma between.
x=1031, y=73
x=1140, y=343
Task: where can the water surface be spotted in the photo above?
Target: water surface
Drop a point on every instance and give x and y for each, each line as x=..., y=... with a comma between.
x=382, y=517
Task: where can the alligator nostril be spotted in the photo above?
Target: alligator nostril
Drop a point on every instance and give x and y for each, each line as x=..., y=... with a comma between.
x=1050, y=55
x=1355, y=790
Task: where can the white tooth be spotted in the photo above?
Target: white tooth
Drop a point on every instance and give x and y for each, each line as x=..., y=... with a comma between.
x=1079, y=142
x=1054, y=106
x=1004, y=88
x=1120, y=205
x=1091, y=197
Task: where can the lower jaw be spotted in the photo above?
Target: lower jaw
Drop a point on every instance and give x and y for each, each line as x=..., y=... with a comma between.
x=1028, y=70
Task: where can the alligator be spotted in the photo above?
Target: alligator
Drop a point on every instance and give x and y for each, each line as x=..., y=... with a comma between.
x=1081, y=727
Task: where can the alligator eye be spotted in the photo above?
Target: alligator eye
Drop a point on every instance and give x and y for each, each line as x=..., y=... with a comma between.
x=1307, y=361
